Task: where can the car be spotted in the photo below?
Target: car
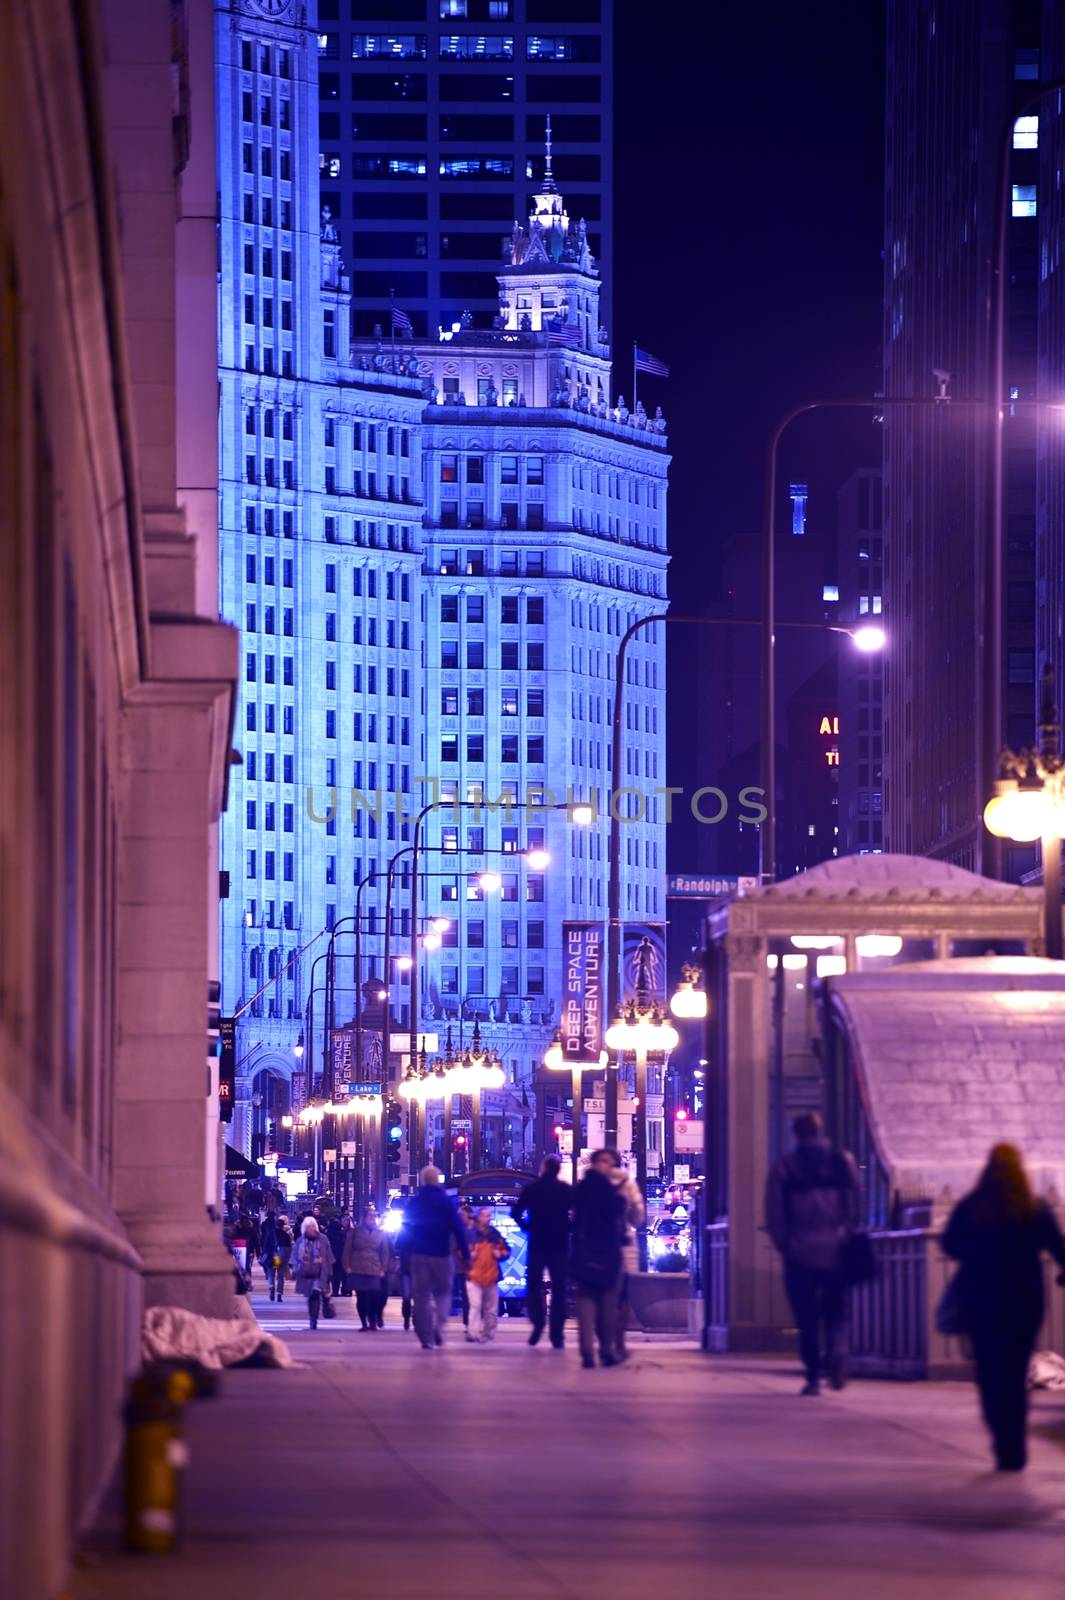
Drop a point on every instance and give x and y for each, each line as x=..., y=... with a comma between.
x=668, y=1245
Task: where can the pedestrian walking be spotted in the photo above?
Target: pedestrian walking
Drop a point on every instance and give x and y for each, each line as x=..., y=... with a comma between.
x=542, y=1210
x=595, y=1259
x=487, y=1249
x=998, y=1234
x=459, y=1264
x=365, y=1268
x=431, y=1225
x=337, y=1229
x=312, y=1267
x=634, y=1216
x=277, y=1243
x=812, y=1200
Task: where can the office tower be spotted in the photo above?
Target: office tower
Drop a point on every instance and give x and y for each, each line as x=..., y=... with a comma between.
x=950, y=92
x=432, y=119
x=860, y=597
x=1048, y=129
x=320, y=520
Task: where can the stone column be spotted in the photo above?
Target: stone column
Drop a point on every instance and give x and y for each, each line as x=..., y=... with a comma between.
x=175, y=742
x=757, y=1313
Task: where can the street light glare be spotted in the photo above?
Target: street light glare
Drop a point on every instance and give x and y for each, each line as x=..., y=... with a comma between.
x=1020, y=814
x=490, y=882
x=869, y=638
x=431, y=941
x=441, y=924
x=538, y=859
x=404, y=963
x=582, y=816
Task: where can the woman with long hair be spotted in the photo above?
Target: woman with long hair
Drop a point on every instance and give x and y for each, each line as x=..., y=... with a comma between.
x=998, y=1233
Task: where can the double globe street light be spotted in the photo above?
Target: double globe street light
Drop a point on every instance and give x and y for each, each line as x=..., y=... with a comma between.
x=470, y=1074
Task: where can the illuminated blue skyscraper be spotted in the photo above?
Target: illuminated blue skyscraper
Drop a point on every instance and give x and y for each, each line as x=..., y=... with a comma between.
x=433, y=550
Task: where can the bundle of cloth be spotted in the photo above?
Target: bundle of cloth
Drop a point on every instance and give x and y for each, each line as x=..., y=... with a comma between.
x=171, y=1333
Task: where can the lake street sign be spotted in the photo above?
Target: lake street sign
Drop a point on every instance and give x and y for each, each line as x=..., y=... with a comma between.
x=348, y=1089
x=707, y=886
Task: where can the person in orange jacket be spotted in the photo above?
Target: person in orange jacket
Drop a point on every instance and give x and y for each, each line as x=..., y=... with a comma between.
x=487, y=1249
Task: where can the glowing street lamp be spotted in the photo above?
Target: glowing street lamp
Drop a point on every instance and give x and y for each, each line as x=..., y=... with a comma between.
x=538, y=859
x=555, y=1060
x=490, y=882
x=868, y=638
x=297, y=1048
x=689, y=1003
x=582, y=816
x=479, y=1069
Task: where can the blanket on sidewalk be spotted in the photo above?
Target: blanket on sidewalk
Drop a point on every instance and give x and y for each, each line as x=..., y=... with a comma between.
x=171, y=1333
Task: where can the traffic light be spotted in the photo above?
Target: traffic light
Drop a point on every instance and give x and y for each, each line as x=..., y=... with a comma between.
x=682, y=1115
x=394, y=1125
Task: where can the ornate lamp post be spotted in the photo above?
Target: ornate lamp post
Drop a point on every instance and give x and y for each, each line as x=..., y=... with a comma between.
x=555, y=1061
x=642, y=1027
x=478, y=1070
x=1029, y=804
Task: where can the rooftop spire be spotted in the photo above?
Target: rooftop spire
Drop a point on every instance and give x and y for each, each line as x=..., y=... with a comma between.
x=549, y=177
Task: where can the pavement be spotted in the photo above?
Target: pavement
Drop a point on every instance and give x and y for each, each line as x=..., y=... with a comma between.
x=380, y=1469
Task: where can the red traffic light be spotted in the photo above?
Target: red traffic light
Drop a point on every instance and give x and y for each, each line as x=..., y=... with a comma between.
x=558, y=1130
x=460, y=1140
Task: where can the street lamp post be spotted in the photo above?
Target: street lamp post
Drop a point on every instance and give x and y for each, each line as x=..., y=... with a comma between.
x=555, y=1061
x=642, y=1027
x=1029, y=804
x=478, y=1070
x=866, y=637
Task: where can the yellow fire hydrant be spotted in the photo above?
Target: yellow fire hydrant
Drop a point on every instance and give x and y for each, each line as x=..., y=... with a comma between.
x=156, y=1455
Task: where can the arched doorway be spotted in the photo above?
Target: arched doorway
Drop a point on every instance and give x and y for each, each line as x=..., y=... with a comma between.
x=270, y=1101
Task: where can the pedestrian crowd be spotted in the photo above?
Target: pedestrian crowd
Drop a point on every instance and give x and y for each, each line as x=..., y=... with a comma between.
x=582, y=1238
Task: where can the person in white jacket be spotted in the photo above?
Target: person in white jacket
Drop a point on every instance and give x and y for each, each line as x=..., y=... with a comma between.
x=635, y=1212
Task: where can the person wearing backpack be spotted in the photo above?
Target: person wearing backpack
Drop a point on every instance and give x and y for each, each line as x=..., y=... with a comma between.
x=312, y=1267
x=811, y=1211
x=276, y=1251
x=596, y=1265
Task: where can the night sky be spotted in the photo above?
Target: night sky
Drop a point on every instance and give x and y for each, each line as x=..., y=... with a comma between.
x=748, y=206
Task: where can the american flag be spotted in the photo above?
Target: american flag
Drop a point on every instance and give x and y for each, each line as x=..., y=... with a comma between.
x=644, y=361
x=401, y=322
x=564, y=335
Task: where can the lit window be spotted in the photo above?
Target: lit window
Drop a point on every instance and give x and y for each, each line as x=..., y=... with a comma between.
x=1024, y=200
x=830, y=591
x=878, y=605
x=1026, y=133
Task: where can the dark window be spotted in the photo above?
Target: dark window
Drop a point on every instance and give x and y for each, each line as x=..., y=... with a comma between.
x=468, y=285
x=534, y=609
x=388, y=86
x=550, y=88
x=534, y=748
x=388, y=125
x=381, y=284
x=475, y=469
x=414, y=207
x=401, y=246
x=474, y=208
x=534, y=657
x=509, y=749
x=475, y=747
x=475, y=654
x=508, y=608
x=560, y=11
x=484, y=86
x=477, y=129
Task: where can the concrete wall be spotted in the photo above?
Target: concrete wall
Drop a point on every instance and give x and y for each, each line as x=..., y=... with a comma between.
x=114, y=726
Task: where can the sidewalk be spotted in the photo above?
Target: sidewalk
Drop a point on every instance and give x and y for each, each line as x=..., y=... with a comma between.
x=380, y=1469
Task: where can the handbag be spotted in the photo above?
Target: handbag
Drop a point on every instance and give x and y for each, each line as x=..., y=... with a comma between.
x=857, y=1259
x=950, y=1318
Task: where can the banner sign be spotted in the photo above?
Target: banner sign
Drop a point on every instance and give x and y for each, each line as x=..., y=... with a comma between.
x=643, y=960
x=227, y=1068
x=582, y=991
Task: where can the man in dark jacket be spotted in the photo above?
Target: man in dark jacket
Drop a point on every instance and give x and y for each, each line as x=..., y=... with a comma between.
x=811, y=1208
x=431, y=1229
x=595, y=1262
x=542, y=1210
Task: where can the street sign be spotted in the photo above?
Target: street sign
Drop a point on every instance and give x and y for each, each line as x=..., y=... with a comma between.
x=707, y=886
x=348, y=1147
x=348, y=1089
x=596, y=1105
x=227, y=1067
x=329, y=1156
x=688, y=1135
x=681, y=1172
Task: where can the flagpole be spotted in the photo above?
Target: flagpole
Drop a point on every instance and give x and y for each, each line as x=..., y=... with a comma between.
x=634, y=377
